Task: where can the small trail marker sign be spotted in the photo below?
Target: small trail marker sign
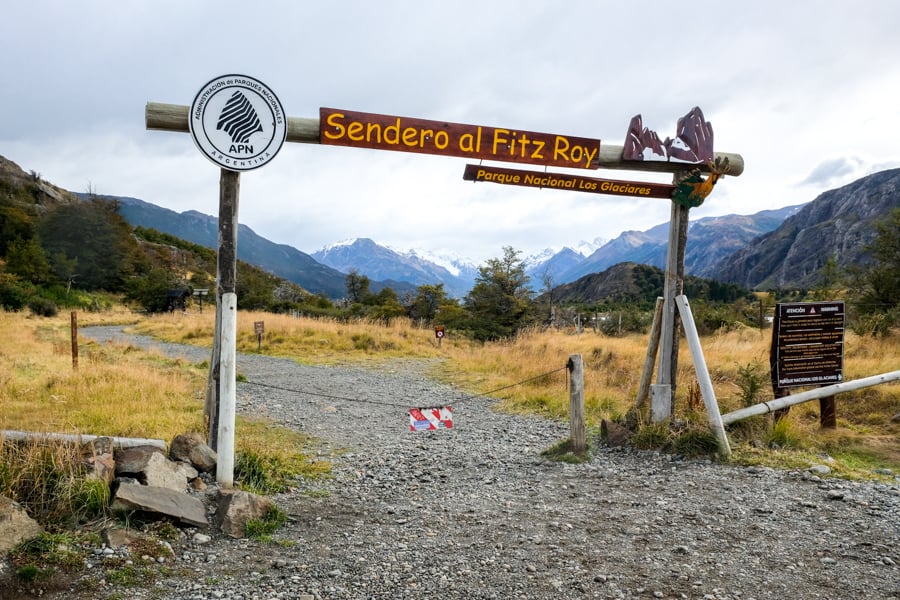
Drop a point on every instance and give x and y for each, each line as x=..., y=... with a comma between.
x=422, y=419
x=259, y=328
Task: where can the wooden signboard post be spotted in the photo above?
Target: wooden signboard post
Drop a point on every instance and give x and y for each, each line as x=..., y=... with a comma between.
x=239, y=124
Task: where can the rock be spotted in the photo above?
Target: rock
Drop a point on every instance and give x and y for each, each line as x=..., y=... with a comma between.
x=160, y=501
x=101, y=466
x=161, y=472
x=116, y=538
x=614, y=434
x=188, y=470
x=191, y=447
x=15, y=525
x=237, y=508
x=97, y=458
x=131, y=461
x=820, y=469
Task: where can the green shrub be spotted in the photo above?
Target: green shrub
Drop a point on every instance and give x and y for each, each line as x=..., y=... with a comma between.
x=43, y=307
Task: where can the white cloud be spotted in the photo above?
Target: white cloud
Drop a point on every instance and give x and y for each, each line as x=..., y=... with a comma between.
x=802, y=99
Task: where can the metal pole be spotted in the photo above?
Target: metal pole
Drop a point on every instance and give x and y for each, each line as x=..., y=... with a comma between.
x=228, y=396
x=706, y=388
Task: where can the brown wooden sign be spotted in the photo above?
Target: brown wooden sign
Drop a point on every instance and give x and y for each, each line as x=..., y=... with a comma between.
x=808, y=341
x=561, y=181
x=403, y=134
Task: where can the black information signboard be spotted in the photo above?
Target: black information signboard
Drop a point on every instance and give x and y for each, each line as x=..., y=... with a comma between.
x=808, y=344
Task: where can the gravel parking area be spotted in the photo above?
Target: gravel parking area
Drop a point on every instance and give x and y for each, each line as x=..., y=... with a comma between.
x=476, y=512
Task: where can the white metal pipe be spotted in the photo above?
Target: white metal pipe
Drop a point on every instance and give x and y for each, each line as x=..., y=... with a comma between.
x=69, y=438
x=706, y=388
x=228, y=391
x=830, y=390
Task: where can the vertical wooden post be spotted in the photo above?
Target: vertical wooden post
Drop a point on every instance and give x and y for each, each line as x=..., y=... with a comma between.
x=226, y=280
x=576, y=402
x=650, y=357
x=828, y=412
x=74, y=328
x=672, y=287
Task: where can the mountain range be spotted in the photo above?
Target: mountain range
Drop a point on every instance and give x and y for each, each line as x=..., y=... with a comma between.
x=783, y=248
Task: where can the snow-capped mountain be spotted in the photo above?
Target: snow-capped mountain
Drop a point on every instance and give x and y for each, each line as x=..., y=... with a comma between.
x=712, y=239
x=385, y=264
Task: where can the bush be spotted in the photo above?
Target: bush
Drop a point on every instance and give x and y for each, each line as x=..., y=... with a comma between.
x=43, y=307
x=12, y=296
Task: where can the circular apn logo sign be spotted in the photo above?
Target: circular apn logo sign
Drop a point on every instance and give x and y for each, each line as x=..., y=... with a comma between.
x=237, y=122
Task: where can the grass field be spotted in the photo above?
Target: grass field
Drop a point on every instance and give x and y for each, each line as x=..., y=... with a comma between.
x=109, y=392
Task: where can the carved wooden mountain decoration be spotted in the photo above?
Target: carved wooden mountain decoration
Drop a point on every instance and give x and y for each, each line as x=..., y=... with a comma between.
x=693, y=143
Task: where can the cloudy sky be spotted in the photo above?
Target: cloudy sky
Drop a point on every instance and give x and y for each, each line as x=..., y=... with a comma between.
x=808, y=92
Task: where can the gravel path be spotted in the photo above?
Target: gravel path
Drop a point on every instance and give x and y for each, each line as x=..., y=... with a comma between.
x=475, y=512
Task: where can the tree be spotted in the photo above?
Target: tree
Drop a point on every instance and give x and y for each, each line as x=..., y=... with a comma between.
x=878, y=296
x=357, y=286
x=427, y=301
x=97, y=237
x=500, y=302
x=27, y=260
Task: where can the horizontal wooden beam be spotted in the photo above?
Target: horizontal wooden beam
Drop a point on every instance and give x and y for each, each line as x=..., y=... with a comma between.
x=174, y=117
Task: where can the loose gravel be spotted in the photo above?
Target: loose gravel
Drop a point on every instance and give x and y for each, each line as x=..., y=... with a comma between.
x=476, y=512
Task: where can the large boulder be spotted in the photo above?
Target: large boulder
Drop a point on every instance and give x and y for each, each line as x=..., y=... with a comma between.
x=15, y=525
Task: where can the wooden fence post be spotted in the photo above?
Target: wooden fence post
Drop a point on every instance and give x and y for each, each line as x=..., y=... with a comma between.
x=74, y=321
x=576, y=402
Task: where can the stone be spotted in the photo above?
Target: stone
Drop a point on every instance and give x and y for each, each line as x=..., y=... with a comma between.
x=132, y=461
x=116, y=538
x=188, y=470
x=160, y=501
x=191, y=448
x=820, y=469
x=161, y=472
x=100, y=466
x=237, y=508
x=15, y=525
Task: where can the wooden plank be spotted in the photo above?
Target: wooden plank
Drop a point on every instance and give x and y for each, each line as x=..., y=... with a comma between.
x=174, y=117
x=354, y=129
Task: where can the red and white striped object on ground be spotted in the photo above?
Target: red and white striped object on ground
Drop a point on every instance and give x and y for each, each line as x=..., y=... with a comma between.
x=421, y=419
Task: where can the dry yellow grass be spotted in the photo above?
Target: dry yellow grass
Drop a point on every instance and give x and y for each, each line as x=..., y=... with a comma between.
x=115, y=390
x=528, y=373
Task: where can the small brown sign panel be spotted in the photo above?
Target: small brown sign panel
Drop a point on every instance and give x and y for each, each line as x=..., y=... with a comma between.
x=561, y=181
x=404, y=134
x=259, y=327
x=808, y=341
